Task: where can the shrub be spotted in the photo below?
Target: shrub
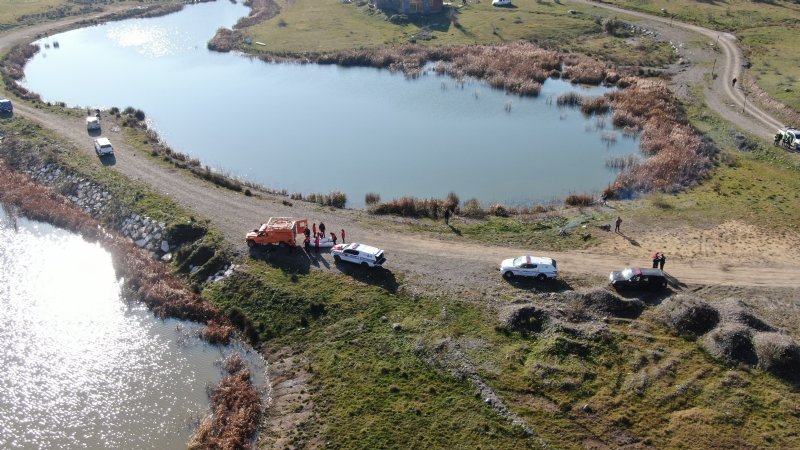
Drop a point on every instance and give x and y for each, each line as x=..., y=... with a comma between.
x=689, y=315
x=372, y=198
x=521, y=318
x=579, y=199
x=472, y=208
x=595, y=105
x=452, y=201
x=139, y=115
x=777, y=353
x=604, y=302
x=498, y=210
x=736, y=311
x=732, y=342
x=569, y=99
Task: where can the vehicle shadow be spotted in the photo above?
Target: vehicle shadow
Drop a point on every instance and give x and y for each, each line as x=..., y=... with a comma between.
x=94, y=133
x=674, y=282
x=108, y=160
x=532, y=284
x=295, y=261
x=374, y=276
x=653, y=298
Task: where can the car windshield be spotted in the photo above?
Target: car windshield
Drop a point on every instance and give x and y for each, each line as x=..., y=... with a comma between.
x=520, y=261
x=627, y=273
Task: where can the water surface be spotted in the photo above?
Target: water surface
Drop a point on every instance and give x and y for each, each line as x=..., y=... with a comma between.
x=311, y=128
x=81, y=367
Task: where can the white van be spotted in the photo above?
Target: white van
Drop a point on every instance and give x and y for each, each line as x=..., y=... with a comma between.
x=102, y=147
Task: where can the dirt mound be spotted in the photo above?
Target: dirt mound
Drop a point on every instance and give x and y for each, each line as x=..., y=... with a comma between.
x=524, y=318
x=689, y=315
x=604, y=302
x=733, y=310
x=778, y=353
x=732, y=342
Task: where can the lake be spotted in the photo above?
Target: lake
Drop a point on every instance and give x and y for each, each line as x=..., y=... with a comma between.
x=82, y=366
x=313, y=128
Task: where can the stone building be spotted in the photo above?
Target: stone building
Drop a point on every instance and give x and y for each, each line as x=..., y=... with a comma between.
x=410, y=6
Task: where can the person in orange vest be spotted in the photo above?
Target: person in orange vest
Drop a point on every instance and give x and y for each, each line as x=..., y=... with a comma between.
x=333, y=237
x=343, y=241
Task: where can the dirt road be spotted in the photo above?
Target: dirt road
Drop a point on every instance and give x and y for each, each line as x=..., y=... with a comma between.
x=721, y=94
x=455, y=265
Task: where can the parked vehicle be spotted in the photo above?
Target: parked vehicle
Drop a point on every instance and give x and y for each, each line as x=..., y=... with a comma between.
x=281, y=231
x=92, y=123
x=357, y=253
x=6, y=107
x=102, y=147
x=501, y=2
x=541, y=268
x=789, y=138
x=636, y=278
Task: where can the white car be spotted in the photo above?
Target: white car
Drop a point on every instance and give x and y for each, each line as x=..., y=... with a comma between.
x=529, y=266
x=102, y=147
x=501, y=2
x=364, y=255
x=92, y=123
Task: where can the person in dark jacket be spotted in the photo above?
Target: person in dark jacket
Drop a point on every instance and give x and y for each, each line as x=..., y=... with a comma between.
x=322, y=229
x=661, y=261
x=447, y=216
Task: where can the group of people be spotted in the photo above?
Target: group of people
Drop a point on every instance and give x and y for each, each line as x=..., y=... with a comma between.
x=658, y=260
x=784, y=139
x=314, y=235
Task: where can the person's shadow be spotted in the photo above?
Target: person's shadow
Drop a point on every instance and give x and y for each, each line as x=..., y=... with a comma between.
x=455, y=230
x=631, y=241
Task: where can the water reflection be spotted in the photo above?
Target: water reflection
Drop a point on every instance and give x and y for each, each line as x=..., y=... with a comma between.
x=309, y=128
x=79, y=368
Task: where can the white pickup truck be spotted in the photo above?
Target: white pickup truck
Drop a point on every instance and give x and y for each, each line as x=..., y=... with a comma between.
x=364, y=255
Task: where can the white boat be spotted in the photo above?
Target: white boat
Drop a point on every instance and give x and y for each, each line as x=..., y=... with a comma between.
x=323, y=243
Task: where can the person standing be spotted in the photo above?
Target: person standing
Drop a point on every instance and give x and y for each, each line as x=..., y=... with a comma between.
x=322, y=229
x=333, y=237
x=447, y=216
x=314, y=229
x=307, y=233
x=316, y=244
x=343, y=241
x=604, y=198
x=618, y=223
x=656, y=259
x=733, y=82
x=307, y=242
x=661, y=261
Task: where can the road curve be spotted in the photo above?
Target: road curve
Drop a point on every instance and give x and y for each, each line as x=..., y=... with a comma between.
x=453, y=264
x=743, y=111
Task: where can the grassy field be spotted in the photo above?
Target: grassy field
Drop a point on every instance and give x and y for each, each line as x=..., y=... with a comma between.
x=767, y=30
x=330, y=25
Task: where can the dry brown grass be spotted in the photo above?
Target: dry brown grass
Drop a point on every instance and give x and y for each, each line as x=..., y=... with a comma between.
x=579, y=199
x=12, y=69
x=678, y=155
x=236, y=409
x=412, y=207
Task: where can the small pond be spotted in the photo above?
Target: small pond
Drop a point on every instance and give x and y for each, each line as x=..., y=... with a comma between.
x=311, y=128
x=83, y=367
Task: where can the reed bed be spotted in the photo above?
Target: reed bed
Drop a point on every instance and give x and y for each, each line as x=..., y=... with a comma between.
x=236, y=411
x=679, y=157
x=412, y=207
x=579, y=199
x=12, y=69
x=595, y=105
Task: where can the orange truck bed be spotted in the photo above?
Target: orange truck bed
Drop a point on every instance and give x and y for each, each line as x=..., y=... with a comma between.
x=277, y=231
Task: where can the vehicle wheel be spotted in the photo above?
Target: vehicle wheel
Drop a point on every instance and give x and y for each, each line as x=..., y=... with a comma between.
x=337, y=258
x=509, y=275
x=541, y=277
x=251, y=244
x=365, y=265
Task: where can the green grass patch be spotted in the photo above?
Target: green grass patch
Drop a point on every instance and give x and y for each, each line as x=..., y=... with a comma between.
x=330, y=25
